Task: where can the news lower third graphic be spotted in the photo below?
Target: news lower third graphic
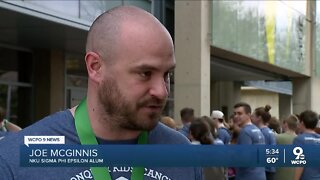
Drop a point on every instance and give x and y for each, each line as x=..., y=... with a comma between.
x=40, y=151
x=44, y=140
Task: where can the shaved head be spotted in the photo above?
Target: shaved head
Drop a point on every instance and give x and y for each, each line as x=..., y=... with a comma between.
x=129, y=58
x=106, y=31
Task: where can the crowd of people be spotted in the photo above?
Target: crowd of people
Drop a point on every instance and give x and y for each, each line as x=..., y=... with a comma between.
x=129, y=57
x=247, y=127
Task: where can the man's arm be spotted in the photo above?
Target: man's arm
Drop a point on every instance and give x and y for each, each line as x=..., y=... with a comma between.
x=298, y=172
x=12, y=127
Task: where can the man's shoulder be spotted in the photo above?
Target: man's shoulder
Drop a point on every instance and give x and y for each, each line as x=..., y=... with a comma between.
x=55, y=124
x=299, y=139
x=307, y=138
x=184, y=130
x=302, y=136
x=267, y=132
x=247, y=129
x=284, y=137
x=252, y=129
x=223, y=130
x=162, y=134
x=54, y=121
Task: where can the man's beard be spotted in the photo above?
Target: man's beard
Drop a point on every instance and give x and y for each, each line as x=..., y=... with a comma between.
x=123, y=113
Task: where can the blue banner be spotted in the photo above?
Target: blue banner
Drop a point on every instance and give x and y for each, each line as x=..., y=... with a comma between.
x=170, y=155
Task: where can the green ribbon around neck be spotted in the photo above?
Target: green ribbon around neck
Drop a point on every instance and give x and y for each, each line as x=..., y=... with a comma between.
x=87, y=137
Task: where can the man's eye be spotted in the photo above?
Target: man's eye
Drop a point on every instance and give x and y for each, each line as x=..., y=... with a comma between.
x=145, y=74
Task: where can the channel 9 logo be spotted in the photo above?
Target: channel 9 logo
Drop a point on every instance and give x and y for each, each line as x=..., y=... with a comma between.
x=300, y=158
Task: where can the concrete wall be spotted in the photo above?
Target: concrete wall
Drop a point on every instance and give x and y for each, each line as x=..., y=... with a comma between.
x=192, y=43
x=257, y=98
x=193, y=87
x=285, y=106
x=306, y=90
x=224, y=94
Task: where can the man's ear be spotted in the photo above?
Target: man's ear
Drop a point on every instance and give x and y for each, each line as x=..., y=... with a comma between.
x=301, y=122
x=93, y=64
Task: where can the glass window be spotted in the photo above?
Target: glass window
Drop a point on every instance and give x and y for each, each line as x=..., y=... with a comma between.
x=144, y=4
x=269, y=31
x=70, y=7
x=15, y=86
x=89, y=10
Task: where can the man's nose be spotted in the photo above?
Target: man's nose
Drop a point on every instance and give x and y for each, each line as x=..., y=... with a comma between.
x=160, y=89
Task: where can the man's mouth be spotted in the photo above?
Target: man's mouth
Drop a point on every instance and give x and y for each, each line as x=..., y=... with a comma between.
x=154, y=107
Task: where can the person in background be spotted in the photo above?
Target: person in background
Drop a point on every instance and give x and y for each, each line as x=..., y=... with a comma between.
x=5, y=125
x=249, y=134
x=289, y=126
x=317, y=130
x=261, y=117
x=213, y=130
x=200, y=135
x=129, y=58
x=168, y=121
x=199, y=132
x=235, y=131
x=187, y=115
x=308, y=122
x=274, y=125
x=222, y=131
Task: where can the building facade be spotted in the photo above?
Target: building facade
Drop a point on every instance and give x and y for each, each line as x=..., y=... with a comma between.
x=222, y=47
x=228, y=45
x=42, y=47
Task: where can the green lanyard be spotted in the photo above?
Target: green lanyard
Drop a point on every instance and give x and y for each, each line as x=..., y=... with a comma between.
x=87, y=136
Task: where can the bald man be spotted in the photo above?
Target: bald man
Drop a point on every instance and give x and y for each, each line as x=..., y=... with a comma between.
x=129, y=56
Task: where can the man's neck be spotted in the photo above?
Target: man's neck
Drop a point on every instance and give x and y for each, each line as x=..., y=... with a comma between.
x=104, y=129
x=221, y=125
x=247, y=123
x=289, y=131
x=310, y=131
x=262, y=126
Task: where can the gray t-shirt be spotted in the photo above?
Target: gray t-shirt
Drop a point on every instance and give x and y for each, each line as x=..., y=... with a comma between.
x=270, y=139
x=62, y=124
x=308, y=138
x=224, y=135
x=250, y=134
